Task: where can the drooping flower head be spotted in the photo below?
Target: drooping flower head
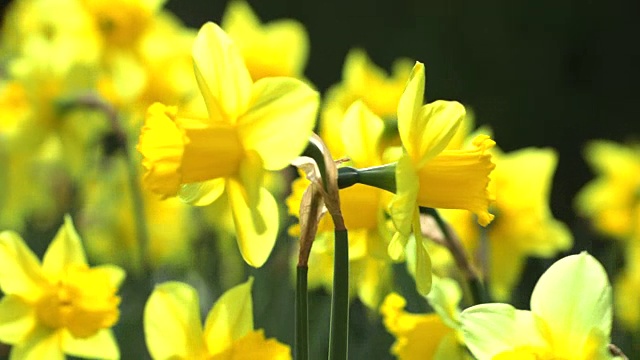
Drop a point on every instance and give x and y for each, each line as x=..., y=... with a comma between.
x=570, y=317
x=248, y=127
x=60, y=306
x=173, y=327
x=430, y=176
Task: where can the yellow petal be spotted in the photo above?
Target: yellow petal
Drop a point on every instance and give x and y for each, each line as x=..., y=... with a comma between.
x=42, y=343
x=435, y=126
x=444, y=298
x=255, y=346
x=172, y=323
x=409, y=107
x=256, y=227
x=361, y=131
x=102, y=345
x=278, y=48
x=65, y=250
x=459, y=179
x=423, y=267
x=115, y=273
x=404, y=204
x=202, y=193
x=221, y=73
x=230, y=319
x=161, y=144
x=491, y=329
x=20, y=272
x=279, y=120
x=573, y=297
x=17, y=319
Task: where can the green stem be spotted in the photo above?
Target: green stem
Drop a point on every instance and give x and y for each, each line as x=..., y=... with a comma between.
x=382, y=177
x=93, y=101
x=339, y=333
x=475, y=286
x=302, y=312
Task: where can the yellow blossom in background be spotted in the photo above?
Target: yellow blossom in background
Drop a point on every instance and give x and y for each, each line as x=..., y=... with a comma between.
x=426, y=336
x=247, y=128
x=627, y=289
x=173, y=328
x=60, y=306
x=430, y=176
x=570, y=317
x=524, y=225
x=363, y=80
x=363, y=209
x=612, y=200
x=277, y=48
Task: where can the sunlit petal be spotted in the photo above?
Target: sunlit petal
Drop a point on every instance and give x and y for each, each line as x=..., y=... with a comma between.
x=230, y=319
x=20, y=271
x=279, y=120
x=570, y=322
x=17, y=319
x=361, y=131
x=103, y=345
x=221, y=73
x=257, y=227
x=172, y=322
x=65, y=250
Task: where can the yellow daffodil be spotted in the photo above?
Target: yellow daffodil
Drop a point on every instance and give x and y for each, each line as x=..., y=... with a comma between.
x=365, y=81
x=611, y=201
x=524, y=225
x=173, y=327
x=60, y=306
x=627, y=289
x=570, y=317
x=247, y=128
x=277, y=48
x=430, y=176
x=426, y=336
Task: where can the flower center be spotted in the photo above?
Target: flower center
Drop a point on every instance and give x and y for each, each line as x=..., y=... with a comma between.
x=83, y=301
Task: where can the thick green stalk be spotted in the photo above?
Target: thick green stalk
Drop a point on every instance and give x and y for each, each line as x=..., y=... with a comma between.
x=302, y=312
x=339, y=333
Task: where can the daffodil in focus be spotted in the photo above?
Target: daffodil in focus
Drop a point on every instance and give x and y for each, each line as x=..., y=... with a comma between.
x=60, y=306
x=612, y=200
x=173, y=328
x=277, y=48
x=363, y=209
x=248, y=127
x=427, y=336
x=570, y=317
x=428, y=175
x=524, y=225
x=378, y=90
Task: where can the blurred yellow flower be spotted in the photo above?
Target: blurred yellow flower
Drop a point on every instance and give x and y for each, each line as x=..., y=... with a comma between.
x=570, y=317
x=60, y=306
x=426, y=336
x=277, y=48
x=173, y=327
x=248, y=128
x=627, y=289
x=363, y=80
x=612, y=201
x=524, y=225
x=430, y=176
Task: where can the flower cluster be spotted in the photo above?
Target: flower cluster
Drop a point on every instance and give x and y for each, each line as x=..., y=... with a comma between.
x=171, y=149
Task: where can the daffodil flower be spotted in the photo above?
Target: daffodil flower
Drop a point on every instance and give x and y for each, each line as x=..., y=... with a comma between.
x=277, y=48
x=570, y=317
x=60, y=306
x=249, y=127
x=427, y=336
x=430, y=176
x=173, y=327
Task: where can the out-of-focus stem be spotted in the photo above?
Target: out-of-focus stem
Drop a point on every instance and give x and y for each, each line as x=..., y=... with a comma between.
x=453, y=243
